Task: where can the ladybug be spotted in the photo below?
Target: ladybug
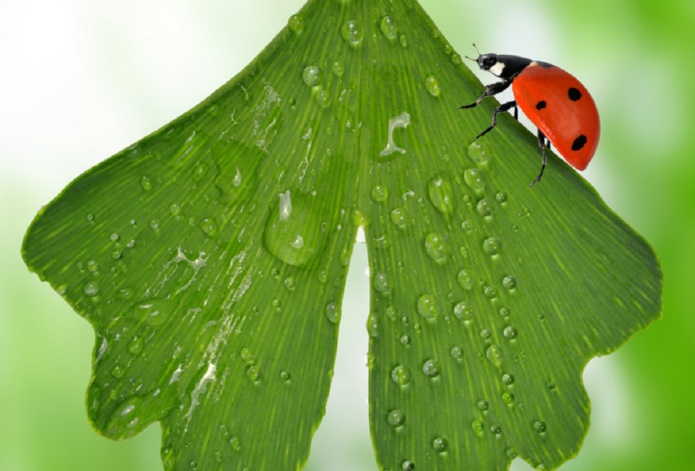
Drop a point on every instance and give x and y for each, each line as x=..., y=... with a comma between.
x=555, y=101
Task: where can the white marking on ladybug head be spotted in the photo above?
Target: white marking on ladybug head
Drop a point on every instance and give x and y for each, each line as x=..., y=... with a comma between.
x=497, y=68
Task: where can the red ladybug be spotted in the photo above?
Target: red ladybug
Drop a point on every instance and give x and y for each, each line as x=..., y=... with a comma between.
x=556, y=102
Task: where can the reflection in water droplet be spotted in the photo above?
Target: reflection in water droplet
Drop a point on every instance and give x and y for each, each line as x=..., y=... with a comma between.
x=399, y=217
x=296, y=24
x=379, y=193
x=477, y=154
x=465, y=279
x=91, y=288
x=440, y=195
x=436, y=247
x=332, y=313
x=474, y=179
x=388, y=27
x=353, y=33
x=311, y=75
x=492, y=246
x=294, y=231
x=396, y=418
x=431, y=368
x=432, y=86
x=427, y=307
x=381, y=283
x=510, y=332
x=494, y=354
x=463, y=311
x=401, y=375
x=439, y=444
x=539, y=426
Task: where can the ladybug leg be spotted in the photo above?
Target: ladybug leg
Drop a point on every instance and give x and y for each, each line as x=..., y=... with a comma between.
x=500, y=109
x=491, y=89
x=544, y=144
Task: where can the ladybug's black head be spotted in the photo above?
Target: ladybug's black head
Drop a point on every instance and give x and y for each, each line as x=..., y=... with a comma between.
x=486, y=61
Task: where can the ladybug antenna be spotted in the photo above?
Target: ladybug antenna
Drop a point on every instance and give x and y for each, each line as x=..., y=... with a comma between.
x=477, y=50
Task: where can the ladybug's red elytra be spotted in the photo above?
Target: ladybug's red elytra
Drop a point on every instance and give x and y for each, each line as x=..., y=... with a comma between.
x=555, y=101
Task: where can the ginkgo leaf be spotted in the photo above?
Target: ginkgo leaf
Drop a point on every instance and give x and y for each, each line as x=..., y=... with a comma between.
x=210, y=258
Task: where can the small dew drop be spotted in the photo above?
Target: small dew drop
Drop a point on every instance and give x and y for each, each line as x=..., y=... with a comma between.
x=511, y=453
x=427, y=307
x=436, y=248
x=405, y=340
x=91, y=288
x=510, y=332
x=494, y=354
x=209, y=227
x=483, y=405
x=381, y=283
x=474, y=179
x=399, y=217
x=379, y=193
x=492, y=246
x=146, y=183
x=456, y=352
x=407, y=465
x=539, y=426
x=508, y=379
x=235, y=443
x=508, y=398
x=372, y=325
x=477, y=154
x=389, y=28
x=465, y=279
x=401, y=375
x=484, y=208
x=509, y=283
x=439, y=444
x=432, y=86
x=296, y=24
x=353, y=33
x=395, y=418
x=290, y=283
x=478, y=427
x=338, y=68
x=441, y=196
x=463, y=311
x=311, y=75
x=117, y=371
x=332, y=313
x=431, y=368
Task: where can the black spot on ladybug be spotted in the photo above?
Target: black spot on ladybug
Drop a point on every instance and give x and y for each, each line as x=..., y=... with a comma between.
x=541, y=104
x=579, y=142
x=574, y=94
x=545, y=65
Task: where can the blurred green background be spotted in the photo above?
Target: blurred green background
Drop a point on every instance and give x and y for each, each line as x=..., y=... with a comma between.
x=81, y=80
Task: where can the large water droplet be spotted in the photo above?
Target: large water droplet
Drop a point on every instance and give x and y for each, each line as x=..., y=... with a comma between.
x=396, y=418
x=353, y=33
x=312, y=75
x=332, y=312
x=440, y=195
x=474, y=179
x=381, y=283
x=427, y=307
x=465, y=279
x=401, y=375
x=399, y=217
x=436, y=248
x=294, y=231
x=492, y=246
x=494, y=354
x=388, y=27
x=510, y=332
x=439, y=444
x=463, y=311
x=296, y=24
x=432, y=86
x=477, y=154
x=431, y=368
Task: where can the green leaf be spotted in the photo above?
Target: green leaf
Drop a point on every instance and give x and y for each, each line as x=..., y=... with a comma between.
x=210, y=258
